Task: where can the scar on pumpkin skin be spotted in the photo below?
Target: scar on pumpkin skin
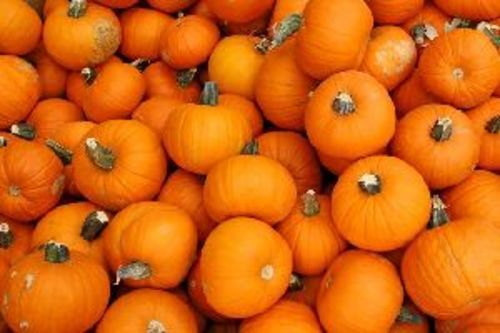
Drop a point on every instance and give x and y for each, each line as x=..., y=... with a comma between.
x=24, y=325
x=5, y=300
x=29, y=280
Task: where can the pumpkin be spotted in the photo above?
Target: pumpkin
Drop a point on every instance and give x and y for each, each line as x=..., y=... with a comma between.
x=255, y=27
x=141, y=30
x=52, y=75
x=282, y=89
x=462, y=76
x=48, y=275
x=201, y=8
x=341, y=108
x=98, y=30
x=247, y=108
x=245, y=267
x=51, y=5
x=483, y=329
x=337, y=165
x=394, y=12
x=390, y=57
x=21, y=89
x=201, y=321
x=188, y=42
x=119, y=162
x=486, y=315
x=411, y=94
x=486, y=121
x=64, y=142
x=284, y=8
x=245, y=185
x=340, y=26
x=197, y=136
x=472, y=9
x=410, y=320
x=164, y=81
x=31, y=180
x=77, y=225
x=305, y=290
x=151, y=244
x=360, y=292
x=185, y=190
x=285, y=316
x=15, y=240
x=20, y=27
x=234, y=64
x=476, y=196
x=170, y=6
x=240, y=11
x=433, y=137
x=311, y=234
x=117, y=3
x=155, y=111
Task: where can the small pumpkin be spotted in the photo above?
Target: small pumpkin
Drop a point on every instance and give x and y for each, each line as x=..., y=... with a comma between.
x=472, y=9
x=284, y=8
x=394, y=12
x=48, y=275
x=15, y=240
x=433, y=137
x=341, y=108
x=52, y=76
x=488, y=315
x=170, y=6
x=304, y=289
x=155, y=111
x=240, y=11
x=120, y=4
x=98, y=30
x=361, y=292
x=247, y=108
x=411, y=94
x=119, y=162
x=244, y=252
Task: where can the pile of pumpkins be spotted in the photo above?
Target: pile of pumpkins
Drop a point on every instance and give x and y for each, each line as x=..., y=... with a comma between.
x=254, y=166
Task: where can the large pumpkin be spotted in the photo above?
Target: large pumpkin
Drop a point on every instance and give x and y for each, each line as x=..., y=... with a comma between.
x=411, y=94
x=470, y=9
x=119, y=162
x=380, y=203
x=240, y=11
x=361, y=292
x=15, y=240
x=155, y=111
x=394, y=12
x=245, y=267
x=52, y=75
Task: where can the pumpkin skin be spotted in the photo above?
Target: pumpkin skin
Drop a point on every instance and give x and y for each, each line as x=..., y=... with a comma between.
x=20, y=27
x=31, y=180
x=375, y=191
x=390, y=57
x=244, y=185
x=235, y=64
x=486, y=315
x=486, y=121
x=326, y=27
x=201, y=8
x=446, y=137
x=483, y=329
x=141, y=30
x=134, y=170
x=411, y=94
x=15, y=240
x=188, y=42
x=337, y=165
x=185, y=190
x=21, y=89
x=154, y=236
x=255, y=27
x=35, y=278
x=284, y=8
x=341, y=108
x=247, y=108
x=240, y=11
x=295, y=153
x=201, y=321
x=361, y=292
x=170, y=6
x=52, y=76
x=98, y=30
x=155, y=111
x=474, y=10
x=462, y=76
x=394, y=12
x=282, y=89
x=244, y=252
x=403, y=326
x=117, y=3
x=308, y=291
x=284, y=316
x=50, y=5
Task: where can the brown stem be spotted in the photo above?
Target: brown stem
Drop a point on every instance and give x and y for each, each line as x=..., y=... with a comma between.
x=64, y=154
x=6, y=236
x=251, y=148
x=280, y=33
x=343, y=104
x=141, y=64
x=94, y=224
x=56, y=253
x=406, y=315
x=296, y=283
x=89, y=75
x=185, y=78
x=439, y=216
x=23, y=130
x=77, y=8
x=442, y=129
x=136, y=270
x=493, y=125
x=370, y=183
x=101, y=156
x=310, y=204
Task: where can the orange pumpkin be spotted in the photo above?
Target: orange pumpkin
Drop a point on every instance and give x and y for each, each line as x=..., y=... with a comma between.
x=483, y=329
x=390, y=57
x=142, y=29
x=170, y=6
x=21, y=89
x=361, y=292
x=247, y=108
x=462, y=76
x=117, y=3
x=470, y=9
x=52, y=76
x=155, y=111
x=411, y=94
x=15, y=240
x=337, y=165
x=49, y=275
x=341, y=109
x=487, y=315
x=433, y=137
x=255, y=27
x=334, y=36
x=148, y=310
x=306, y=291
x=284, y=8
x=119, y=162
x=240, y=11
x=201, y=8
x=50, y=5
x=244, y=252
x=201, y=321
x=410, y=320
x=394, y=12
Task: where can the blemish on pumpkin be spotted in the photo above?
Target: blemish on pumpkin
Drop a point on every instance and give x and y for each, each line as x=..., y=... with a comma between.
x=395, y=56
x=458, y=73
x=29, y=279
x=14, y=190
x=267, y=272
x=5, y=300
x=58, y=185
x=13, y=274
x=107, y=38
x=24, y=325
x=328, y=282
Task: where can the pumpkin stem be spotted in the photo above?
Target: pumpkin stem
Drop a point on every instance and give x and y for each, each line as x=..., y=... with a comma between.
x=439, y=216
x=89, y=75
x=406, y=315
x=310, y=204
x=457, y=23
x=64, y=154
x=492, y=31
x=136, y=270
x=370, y=183
x=24, y=131
x=77, y=8
x=141, y=64
x=185, y=77
x=156, y=326
x=251, y=148
x=493, y=125
x=101, y=156
x=280, y=33
x=267, y=272
x=3, y=141
x=210, y=94
x=442, y=129
x=94, y=224
x=296, y=283
x=423, y=31
x=56, y=253
x=6, y=236
x=343, y=104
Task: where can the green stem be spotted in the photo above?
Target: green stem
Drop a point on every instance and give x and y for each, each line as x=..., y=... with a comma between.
x=185, y=78
x=77, y=8
x=64, y=154
x=280, y=33
x=101, y=156
x=310, y=204
x=370, y=183
x=6, y=236
x=94, y=224
x=439, y=217
x=493, y=125
x=210, y=94
x=406, y=315
x=442, y=129
x=343, y=104
x=89, y=75
x=23, y=130
x=56, y=253
x=251, y=148
x=296, y=283
x=141, y=64
x=136, y=270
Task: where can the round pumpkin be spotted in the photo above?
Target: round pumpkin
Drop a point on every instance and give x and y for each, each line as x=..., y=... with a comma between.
x=245, y=267
x=119, y=162
x=488, y=315
x=410, y=320
x=284, y=8
x=98, y=30
x=170, y=6
x=361, y=292
x=117, y=3
x=341, y=109
x=49, y=275
x=247, y=108
x=52, y=76
x=240, y=11
x=411, y=94
x=394, y=12
x=470, y=9
x=15, y=240
x=305, y=291
x=155, y=111
x=432, y=138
